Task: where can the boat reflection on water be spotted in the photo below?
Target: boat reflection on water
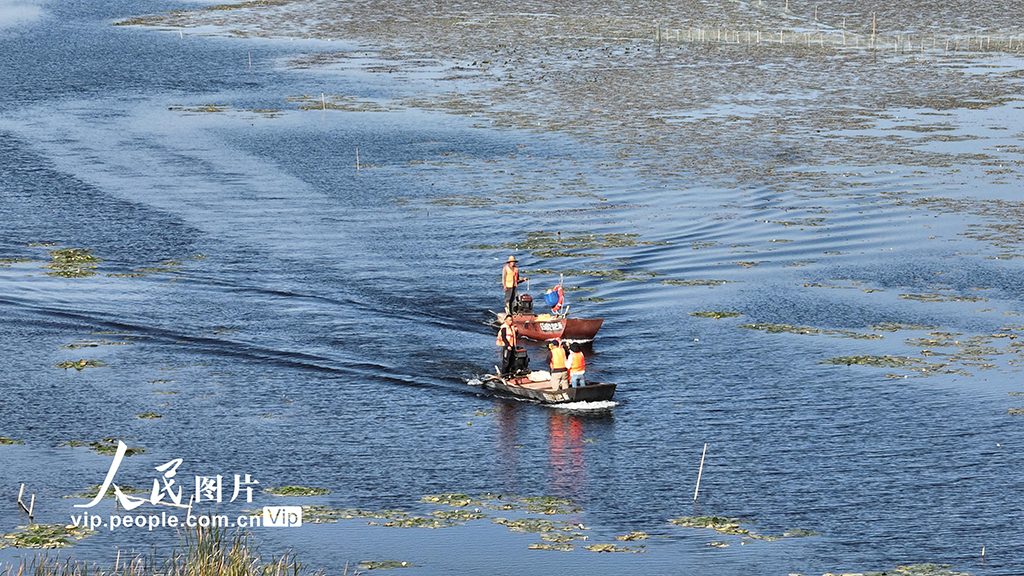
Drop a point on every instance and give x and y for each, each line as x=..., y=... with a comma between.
x=566, y=464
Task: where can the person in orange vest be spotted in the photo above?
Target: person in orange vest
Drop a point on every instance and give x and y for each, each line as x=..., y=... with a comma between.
x=510, y=281
x=559, y=371
x=577, y=365
x=507, y=339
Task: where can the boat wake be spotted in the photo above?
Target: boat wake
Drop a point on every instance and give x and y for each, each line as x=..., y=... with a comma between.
x=586, y=406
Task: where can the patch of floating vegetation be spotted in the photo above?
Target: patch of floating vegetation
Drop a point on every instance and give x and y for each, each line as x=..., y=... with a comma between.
x=799, y=263
x=578, y=289
x=557, y=244
x=559, y=546
x=321, y=514
x=80, y=364
x=780, y=328
x=297, y=491
x=1016, y=411
x=338, y=102
x=92, y=491
x=549, y=530
x=148, y=416
x=695, y=282
x=166, y=391
x=731, y=526
x=715, y=314
x=202, y=108
x=633, y=535
x=920, y=570
x=799, y=533
x=5, y=441
x=107, y=446
x=607, y=274
x=905, y=362
x=6, y=262
x=596, y=299
x=95, y=344
x=614, y=548
x=534, y=504
x=47, y=536
x=716, y=523
x=72, y=263
x=418, y=522
x=797, y=222
x=941, y=298
x=897, y=326
x=385, y=565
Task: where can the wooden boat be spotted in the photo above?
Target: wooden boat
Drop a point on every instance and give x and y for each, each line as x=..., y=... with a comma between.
x=548, y=327
x=538, y=385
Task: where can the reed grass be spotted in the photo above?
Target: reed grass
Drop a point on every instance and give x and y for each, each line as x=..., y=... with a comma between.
x=201, y=552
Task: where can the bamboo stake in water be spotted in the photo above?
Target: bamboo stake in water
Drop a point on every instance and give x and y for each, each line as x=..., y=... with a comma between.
x=700, y=472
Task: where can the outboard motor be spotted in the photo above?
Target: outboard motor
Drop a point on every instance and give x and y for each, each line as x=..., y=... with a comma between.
x=520, y=363
x=524, y=304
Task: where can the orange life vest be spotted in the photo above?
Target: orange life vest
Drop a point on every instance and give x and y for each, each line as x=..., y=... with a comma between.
x=576, y=362
x=557, y=358
x=509, y=276
x=510, y=332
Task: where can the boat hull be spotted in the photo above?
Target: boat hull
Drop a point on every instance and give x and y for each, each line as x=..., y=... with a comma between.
x=529, y=326
x=544, y=391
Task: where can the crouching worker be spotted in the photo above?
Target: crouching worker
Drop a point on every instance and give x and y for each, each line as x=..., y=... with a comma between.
x=577, y=366
x=559, y=372
x=507, y=340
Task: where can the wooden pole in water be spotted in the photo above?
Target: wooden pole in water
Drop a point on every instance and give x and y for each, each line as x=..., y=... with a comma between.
x=700, y=472
x=872, y=29
x=250, y=60
x=357, y=159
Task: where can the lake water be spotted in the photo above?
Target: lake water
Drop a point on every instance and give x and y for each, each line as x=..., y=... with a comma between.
x=308, y=322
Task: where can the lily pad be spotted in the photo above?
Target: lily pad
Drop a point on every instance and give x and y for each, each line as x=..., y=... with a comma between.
x=5, y=441
x=148, y=416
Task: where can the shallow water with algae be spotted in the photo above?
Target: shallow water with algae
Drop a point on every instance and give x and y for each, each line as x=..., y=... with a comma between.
x=266, y=240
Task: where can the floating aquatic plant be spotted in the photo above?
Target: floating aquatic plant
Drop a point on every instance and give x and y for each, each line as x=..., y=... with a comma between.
x=107, y=446
x=148, y=416
x=5, y=441
x=47, y=536
x=716, y=523
x=941, y=298
x=72, y=263
x=613, y=548
x=94, y=344
x=715, y=314
x=919, y=570
x=385, y=565
x=633, y=535
x=695, y=282
x=559, y=546
x=297, y=491
x=80, y=364
x=780, y=328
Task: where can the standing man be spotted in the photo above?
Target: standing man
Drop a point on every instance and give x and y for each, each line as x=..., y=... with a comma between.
x=510, y=281
x=507, y=340
x=577, y=365
x=559, y=373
